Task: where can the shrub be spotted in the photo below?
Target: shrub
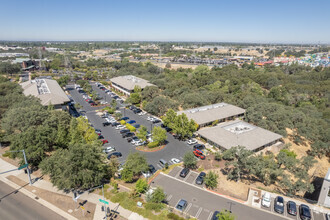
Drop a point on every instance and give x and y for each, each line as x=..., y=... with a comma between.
x=141, y=186
x=130, y=127
x=154, y=206
x=217, y=156
x=153, y=144
x=6, y=154
x=122, y=122
x=174, y=216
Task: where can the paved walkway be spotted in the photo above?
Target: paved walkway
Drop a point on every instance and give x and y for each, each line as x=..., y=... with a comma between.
x=42, y=184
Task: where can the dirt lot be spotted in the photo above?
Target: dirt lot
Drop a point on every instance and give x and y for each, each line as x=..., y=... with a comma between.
x=63, y=202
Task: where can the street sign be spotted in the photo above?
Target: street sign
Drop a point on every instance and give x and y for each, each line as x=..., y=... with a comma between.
x=82, y=207
x=103, y=201
x=23, y=166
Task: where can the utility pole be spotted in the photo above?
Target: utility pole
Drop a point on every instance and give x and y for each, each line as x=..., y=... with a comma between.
x=25, y=160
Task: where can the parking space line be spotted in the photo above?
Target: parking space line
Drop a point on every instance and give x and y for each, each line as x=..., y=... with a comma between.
x=312, y=214
x=188, y=208
x=199, y=212
x=177, y=175
x=169, y=197
x=210, y=215
x=186, y=178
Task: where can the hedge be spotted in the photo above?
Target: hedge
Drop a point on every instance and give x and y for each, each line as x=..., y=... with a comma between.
x=153, y=144
x=130, y=127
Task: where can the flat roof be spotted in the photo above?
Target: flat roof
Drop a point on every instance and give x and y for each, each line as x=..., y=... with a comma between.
x=47, y=90
x=210, y=113
x=239, y=133
x=129, y=82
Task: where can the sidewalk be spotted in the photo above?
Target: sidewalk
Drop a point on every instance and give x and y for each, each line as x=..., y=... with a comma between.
x=42, y=184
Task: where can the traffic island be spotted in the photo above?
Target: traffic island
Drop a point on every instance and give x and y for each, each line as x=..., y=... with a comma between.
x=147, y=149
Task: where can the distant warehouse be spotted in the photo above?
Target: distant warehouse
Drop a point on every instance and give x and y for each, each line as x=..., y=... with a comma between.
x=239, y=133
x=48, y=91
x=220, y=112
x=126, y=84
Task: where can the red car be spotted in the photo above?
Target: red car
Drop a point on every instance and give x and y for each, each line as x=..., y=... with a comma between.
x=199, y=154
x=93, y=104
x=104, y=141
x=87, y=100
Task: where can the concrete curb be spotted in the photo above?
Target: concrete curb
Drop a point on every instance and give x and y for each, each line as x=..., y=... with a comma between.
x=41, y=201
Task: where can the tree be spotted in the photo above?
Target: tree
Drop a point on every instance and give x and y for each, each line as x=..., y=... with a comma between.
x=157, y=195
x=63, y=81
x=113, y=166
x=134, y=98
x=169, y=118
x=149, y=93
x=183, y=126
x=168, y=65
x=225, y=215
x=211, y=180
x=142, y=133
x=78, y=167
x=137, y=163
x=189, y=160
x=159, y=105
x=158, y=135
x=127, y=174
x=141, y=186
x=8, y=68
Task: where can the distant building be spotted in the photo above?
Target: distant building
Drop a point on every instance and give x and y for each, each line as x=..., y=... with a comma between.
x=239, y=133
x=220, y=112
x=126, y=84
x=48, y=91
x=324, y=198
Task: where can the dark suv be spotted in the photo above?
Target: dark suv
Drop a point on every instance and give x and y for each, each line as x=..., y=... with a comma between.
x=199, y=146
x=127, y=134
x=184, y=172
x=200, y=178
x=305, y=212
x=123, y=131
x=279, y=204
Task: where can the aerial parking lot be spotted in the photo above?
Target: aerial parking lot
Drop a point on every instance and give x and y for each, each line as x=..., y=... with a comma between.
x=173, y=149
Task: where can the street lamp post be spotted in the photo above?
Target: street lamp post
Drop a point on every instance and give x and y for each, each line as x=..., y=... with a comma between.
x=105, y=207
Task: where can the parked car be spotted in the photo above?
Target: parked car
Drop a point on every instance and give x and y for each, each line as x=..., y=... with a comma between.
x=123, y=131
x=155, y=121
x=101, y=136
x=266, y=200
x=192, y=141
x=114, y=154
x=327, y=216
x=124, y=118
x=142, y=113
x=200, y=178
x=305, y=212
x=127, y=134
x=184, y=172
x=181, y=205
x=119, y=127
x=131, y=122
x=215, y=215
x=104, y=141
x=199, y=154
x=199, y=147
x=136, y=126
x=115, y=124
x=149, y=118
x=98, y=131
x=167, y=129
x=109, y=149
x=139, y=143
x=175, y=160
x=279, y=204
x=136, y=111
x=106, y=123
x=292, y=208
x=152, y=169
x=135, y=139
x=162, y=162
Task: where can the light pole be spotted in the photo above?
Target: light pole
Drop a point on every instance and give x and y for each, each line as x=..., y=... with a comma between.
x=230, y=204
x=25, y=160
x=105, y=207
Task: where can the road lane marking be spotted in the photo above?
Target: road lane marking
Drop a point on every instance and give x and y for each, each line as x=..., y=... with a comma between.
x=210, y=215
x=199, y=212
x=188, y=208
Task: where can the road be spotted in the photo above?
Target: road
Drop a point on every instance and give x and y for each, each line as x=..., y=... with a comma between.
x=173, y=149
x=15, y=206
x=202, y=203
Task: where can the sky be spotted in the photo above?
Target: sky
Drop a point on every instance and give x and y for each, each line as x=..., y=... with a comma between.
x=251, y=21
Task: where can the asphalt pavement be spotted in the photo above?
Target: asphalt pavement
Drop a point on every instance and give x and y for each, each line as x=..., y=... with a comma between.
x=201, y=203
x=173, y=149
x=15, y=205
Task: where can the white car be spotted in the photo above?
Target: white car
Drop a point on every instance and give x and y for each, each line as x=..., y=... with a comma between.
x=146, y=174
x=149, y=118
x=192, y=141
x=142, y=113
x=175, y=160
x=109, y=149
x=103, y=102
x=266, y=200
x=119, y=127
